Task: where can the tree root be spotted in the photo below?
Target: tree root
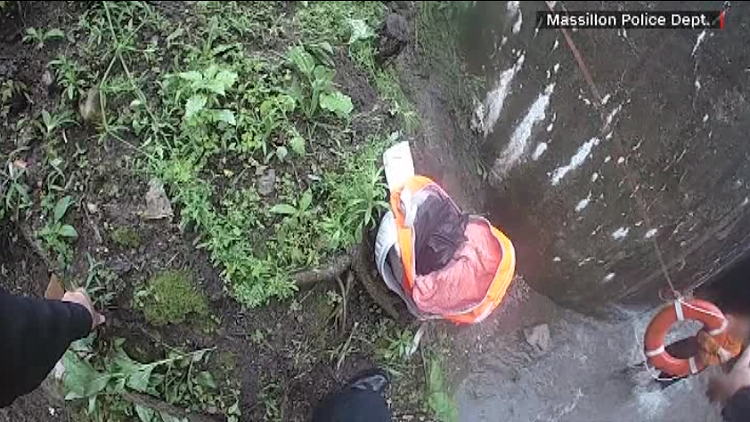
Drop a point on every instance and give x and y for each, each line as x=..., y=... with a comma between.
x=363, y=266
x=36, y=246
x=336, y=268
x=161, y=406
x=360, y=260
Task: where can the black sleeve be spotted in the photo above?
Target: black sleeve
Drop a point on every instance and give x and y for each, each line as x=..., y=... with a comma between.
x=737, y=408
x=34, y=334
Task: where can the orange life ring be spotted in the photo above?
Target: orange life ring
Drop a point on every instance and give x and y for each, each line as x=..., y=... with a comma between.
x=714, y=323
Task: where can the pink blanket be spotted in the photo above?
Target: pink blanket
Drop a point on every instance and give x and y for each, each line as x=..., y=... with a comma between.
x=463, y=283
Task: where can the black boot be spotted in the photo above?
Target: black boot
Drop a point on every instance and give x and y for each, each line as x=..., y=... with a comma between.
x=360, y=401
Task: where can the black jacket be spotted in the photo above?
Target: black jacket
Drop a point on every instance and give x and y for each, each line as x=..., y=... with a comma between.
x=737, y=408
x=34, y=334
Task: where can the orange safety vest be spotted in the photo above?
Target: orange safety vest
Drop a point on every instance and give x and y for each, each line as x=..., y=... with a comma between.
x=503, y=276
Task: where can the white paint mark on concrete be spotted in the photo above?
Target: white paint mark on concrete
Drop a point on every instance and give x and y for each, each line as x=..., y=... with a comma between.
x=519, y=140
x=697, y=84
x=605, y=99
x=611, y=116
x=556, y=259
x=541, y=147
x=609, y=277
x=550, y=126
x=705, y=118
x=698, y=42
x=620, y=160
x=514, y=9
x=575, y=161
x=554, y=47
x=620, y=233
x=583, y=203
x=556, y=67
x=495, y=99
x=594, y=177
x=651, y=233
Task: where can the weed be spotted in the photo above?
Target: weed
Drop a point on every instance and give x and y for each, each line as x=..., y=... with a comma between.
x=315, y=86
x=392, y=348
x=13, y=191
x=357, y=198
x=270, y=397
x=439, y=397
x=331, y=21
x=69, y=76
x=40, y=37
x=170, y=298
x=56, y=234
x=110, y=381
x=51, y=123
x=102, y=284
x=126, y=237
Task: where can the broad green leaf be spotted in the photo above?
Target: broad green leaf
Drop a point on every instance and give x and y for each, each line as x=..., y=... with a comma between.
x=68, y=231
x=225, y=116
x=194, y=104
x=205, y=379
x=61, y=207
x=303, y=60
x=337, y=103
x=139, y=380
x=283, y=209
x=81, y=380
x=222, y=81
x=323, y=76
x=360, y=30
x=192, y=76
x=145, y=414
x=297, y=143
x=305, y=201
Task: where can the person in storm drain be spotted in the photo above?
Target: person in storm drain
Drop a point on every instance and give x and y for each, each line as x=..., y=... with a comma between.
x=35, y=333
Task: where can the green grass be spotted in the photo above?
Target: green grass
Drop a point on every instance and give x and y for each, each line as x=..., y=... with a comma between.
x=172, y=298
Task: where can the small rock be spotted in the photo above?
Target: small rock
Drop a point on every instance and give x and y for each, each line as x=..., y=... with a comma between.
x=539, y=337
x=157, y=202
x=90, y=108
x=266, y=183
x=47, y=79
x=93, y=208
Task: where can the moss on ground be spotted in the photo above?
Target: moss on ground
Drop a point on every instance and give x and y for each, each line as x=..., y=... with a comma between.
x=126, y=237
x=170, y=298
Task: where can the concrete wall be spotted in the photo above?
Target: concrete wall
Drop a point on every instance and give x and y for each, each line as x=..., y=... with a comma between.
x=677, y=102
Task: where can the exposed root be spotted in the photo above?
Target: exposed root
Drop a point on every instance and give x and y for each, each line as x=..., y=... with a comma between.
x=160, y=406
x=363, y=266
x=336, y=268
x=36, y=246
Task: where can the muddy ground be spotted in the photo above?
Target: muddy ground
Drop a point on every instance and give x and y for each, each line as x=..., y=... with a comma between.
x=292, y=364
